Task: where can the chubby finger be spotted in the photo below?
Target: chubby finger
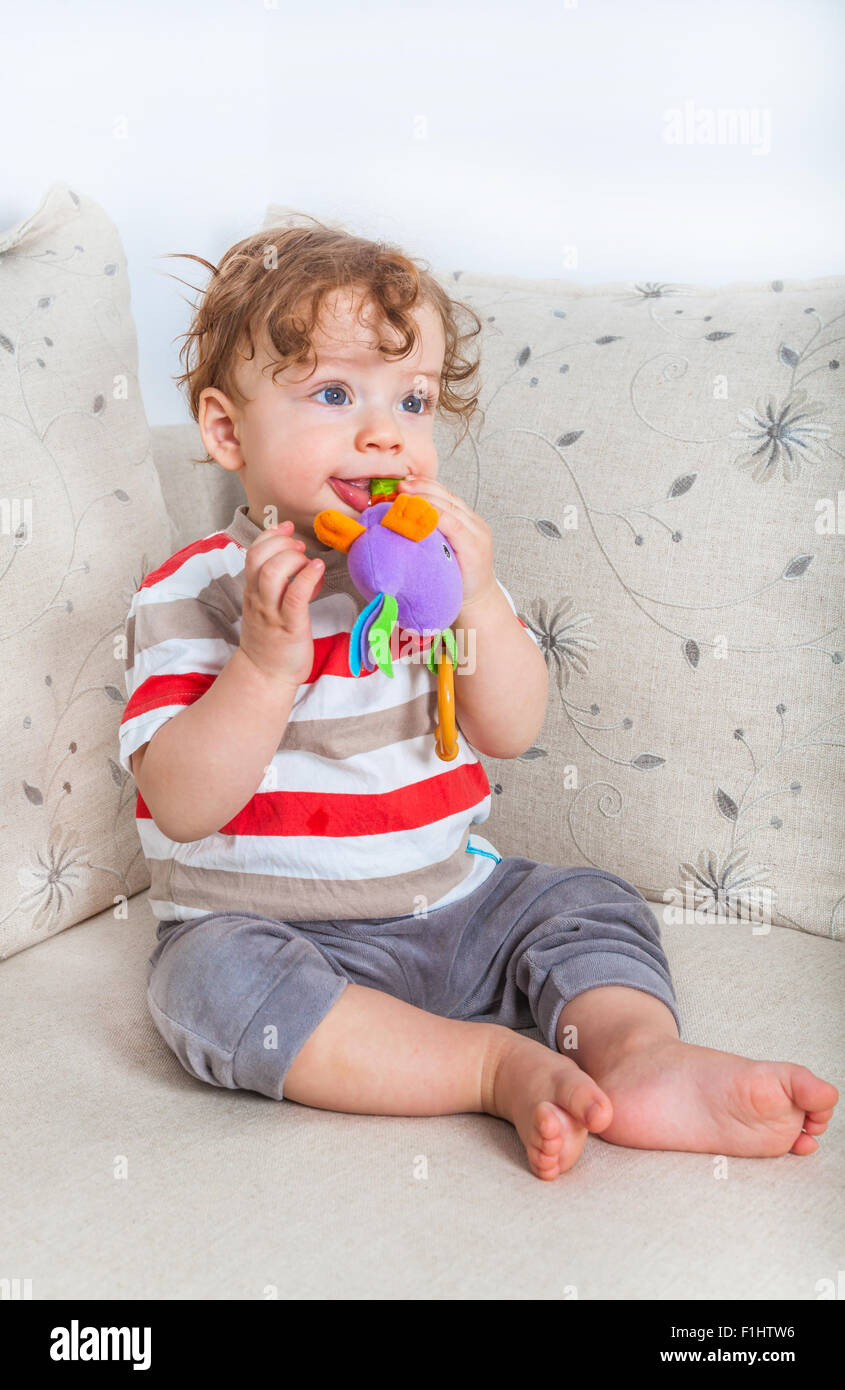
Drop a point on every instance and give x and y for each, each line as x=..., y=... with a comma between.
x=302, y=587
x=439, y=495
x=271, y=538
x=276, y=571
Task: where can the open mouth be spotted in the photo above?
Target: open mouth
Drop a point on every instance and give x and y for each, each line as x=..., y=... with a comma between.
x=354, y=491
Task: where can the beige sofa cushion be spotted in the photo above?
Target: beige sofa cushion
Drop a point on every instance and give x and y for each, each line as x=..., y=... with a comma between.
x=83, y=521
x=651, y=465
x=228, y=1192
x=654, y=464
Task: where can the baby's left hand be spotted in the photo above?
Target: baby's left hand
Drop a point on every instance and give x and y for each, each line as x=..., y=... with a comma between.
x=467, y=533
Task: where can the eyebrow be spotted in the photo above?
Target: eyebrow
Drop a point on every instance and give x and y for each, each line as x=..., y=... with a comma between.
x=361, y=358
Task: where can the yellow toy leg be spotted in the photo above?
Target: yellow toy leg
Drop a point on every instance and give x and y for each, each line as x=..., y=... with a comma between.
x=446, y=732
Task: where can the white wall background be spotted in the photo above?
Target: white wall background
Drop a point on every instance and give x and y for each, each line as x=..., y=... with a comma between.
x=480, y=134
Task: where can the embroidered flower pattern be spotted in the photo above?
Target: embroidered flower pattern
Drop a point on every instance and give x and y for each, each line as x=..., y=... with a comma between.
x=560, y=638
x=732, y=887
x=653, y=289
x=783, y=435
x=51, y=878
x=671, y=482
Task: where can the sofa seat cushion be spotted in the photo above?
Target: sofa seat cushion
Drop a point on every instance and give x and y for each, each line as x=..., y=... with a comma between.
x=228, y=1194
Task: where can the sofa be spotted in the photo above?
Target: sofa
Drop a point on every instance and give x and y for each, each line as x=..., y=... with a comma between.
x=658, y=465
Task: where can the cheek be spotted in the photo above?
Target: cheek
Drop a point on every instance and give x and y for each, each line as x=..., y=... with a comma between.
x=307, y=454
x=261, y=432
x=306, y=445
x=423, y=458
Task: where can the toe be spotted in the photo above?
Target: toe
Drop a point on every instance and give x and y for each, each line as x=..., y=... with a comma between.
x=814, y=1126
x=546, y=1175
x=599, y=1115
x=804, y=1144
x=547, y=1124
x=820, y=1114
x=545, y=1162
x=809, y=1091
x=576, y=1095
x=544, y=1165
x=549, y=1156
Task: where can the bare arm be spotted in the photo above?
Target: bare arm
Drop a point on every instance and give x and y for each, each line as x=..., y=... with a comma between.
x=500, y=706
x=204, y=765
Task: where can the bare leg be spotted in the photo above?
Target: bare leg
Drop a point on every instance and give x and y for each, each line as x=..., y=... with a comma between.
x=373, y=1054
x=667, y=1094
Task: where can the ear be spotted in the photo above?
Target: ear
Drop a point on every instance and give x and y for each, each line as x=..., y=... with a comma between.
x=337, y=529
x=413, y=517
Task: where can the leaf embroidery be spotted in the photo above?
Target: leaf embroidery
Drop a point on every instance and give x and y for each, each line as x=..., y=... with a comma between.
x=797, y=566
x=682, y=485
x=692, y=652
x=646, y=761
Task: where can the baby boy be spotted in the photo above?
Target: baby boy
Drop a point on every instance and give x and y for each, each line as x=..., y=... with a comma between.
x=329, y=930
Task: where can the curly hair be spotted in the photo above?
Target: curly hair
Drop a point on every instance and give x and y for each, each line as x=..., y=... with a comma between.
x=263, y=280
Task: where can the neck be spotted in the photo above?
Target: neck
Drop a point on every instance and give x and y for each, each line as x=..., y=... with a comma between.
x=313, y=546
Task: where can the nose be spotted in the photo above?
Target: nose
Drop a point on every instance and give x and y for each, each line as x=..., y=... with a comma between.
x=380, y=431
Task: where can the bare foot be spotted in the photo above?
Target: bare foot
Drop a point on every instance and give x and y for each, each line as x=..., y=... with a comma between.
x=546, y=1097
x=669, y=1094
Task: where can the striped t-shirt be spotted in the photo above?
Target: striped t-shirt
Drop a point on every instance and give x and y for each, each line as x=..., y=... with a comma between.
x=356, y=816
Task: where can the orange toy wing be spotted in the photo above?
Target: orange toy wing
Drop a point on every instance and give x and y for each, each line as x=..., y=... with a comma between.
x=413, y=517
x=336, y=529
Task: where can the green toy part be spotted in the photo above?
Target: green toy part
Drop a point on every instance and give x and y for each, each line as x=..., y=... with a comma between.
x=446, y=637
x=384, y=623
x=381, y=486
x=379, y=635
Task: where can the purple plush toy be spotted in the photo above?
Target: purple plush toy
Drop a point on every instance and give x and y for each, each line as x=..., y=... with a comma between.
x=406, y=569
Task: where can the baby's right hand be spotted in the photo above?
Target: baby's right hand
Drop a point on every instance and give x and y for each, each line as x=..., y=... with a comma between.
x=276, y=624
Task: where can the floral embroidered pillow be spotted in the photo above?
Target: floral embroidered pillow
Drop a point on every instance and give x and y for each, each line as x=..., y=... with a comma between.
x=661, y=467
x=84, y=520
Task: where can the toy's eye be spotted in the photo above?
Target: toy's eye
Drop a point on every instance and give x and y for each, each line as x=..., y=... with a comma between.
x=447, y=551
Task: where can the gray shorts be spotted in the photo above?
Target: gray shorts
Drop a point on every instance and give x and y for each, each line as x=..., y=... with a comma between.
x=236, y=995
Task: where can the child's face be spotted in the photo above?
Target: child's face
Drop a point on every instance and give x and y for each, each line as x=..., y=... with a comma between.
x=357, y=415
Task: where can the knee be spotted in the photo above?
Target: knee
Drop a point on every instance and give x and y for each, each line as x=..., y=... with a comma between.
x=212, y=977
x=601, y=900
x=601, y=886
x=211, y=982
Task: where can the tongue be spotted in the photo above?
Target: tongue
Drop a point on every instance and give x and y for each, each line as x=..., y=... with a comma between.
x=357, y=495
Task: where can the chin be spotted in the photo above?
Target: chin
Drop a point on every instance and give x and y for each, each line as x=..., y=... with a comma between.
x=336, y=503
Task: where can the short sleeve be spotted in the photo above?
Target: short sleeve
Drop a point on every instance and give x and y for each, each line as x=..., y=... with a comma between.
x=511, y=602
x=176, y=646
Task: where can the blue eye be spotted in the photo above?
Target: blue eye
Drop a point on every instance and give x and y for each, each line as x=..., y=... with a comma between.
x=420, y=396
x=332, y=388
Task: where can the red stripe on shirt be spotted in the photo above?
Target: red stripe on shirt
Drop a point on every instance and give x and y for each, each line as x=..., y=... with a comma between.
x=331, y=658
x=219, y=541
x=183, y=688
x=348, y=814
